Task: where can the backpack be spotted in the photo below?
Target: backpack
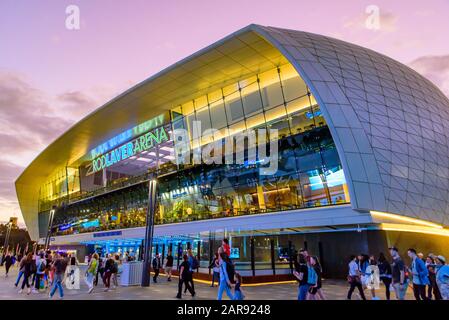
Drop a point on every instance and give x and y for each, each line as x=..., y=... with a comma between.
x=41, y=268
x=114, y=268
x=33, y=267
x=195, y=264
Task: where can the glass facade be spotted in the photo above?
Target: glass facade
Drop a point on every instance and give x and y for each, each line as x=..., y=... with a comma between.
x=309, y=170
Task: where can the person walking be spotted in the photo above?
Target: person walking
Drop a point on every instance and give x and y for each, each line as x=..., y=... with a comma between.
x=420, y=275
x=27, y=272
x=114, y=276
x=315, y=291
x=8, y=263
x=363, y=263
x=41, y=265
x=215, y=270
x=21, y=267
x=108, y=268
x=385, y=273
x=91, y=272
x=238, y=293
x=169, y=265
x=442, y=277
x=398, y=278
x=301, y=273
x=193, y=265
x=226, y=268
x=48, y=271
x=354, y=278
x=432, y=287
x=184, y=274
x=156, y=264
x=59, y=267
x=373, y=280
x=100, y=270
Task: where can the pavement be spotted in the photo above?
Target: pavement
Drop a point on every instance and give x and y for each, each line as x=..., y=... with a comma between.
x=164, y=290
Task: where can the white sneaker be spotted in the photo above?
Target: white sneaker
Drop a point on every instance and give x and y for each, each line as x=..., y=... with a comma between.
x=29, y=291
x=90, y=290
x=20, y=291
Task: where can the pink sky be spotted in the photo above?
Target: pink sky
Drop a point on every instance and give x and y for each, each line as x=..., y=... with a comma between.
x=50, y=77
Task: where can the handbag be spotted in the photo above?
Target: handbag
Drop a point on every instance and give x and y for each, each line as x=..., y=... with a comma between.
x=352, y=279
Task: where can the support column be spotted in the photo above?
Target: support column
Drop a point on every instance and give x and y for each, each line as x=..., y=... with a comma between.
x=321, y=255
x=273, y=263
x=198, y=255
x=50, y=227
x=290, y=255
x=211, y=252
x=179, y=253
x=253, y=262
x=163, y=253
x=149, y=233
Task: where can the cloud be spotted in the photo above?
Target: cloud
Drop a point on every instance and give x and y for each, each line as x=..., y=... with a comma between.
x=434, y=68
x=77, y=103
x=30, y=120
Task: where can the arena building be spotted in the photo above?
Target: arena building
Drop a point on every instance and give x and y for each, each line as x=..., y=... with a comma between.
x=362, y=158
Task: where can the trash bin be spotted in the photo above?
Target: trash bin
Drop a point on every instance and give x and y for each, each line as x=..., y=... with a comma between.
x=131, y=274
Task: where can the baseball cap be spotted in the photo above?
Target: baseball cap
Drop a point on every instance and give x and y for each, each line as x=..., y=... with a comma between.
x=441, y=258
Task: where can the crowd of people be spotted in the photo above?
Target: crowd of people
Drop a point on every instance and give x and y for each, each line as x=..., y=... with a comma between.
x=428, y=276
x=42, y=271
x=228, y=279
x=50, y=271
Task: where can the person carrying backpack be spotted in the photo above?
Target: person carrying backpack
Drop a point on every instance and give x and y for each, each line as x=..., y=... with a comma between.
x=41, y=265
x=225, y=282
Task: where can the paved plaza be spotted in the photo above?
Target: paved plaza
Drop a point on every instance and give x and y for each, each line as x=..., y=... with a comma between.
x=163, y=290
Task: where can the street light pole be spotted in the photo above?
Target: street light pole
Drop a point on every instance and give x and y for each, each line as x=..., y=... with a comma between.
x=8, y=233
x=147, y=250
x=50, y=226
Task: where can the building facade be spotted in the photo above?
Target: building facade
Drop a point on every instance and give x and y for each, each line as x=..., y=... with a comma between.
x=359, y=143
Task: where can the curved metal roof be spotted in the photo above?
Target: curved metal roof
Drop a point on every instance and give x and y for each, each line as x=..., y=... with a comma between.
x=389, y=123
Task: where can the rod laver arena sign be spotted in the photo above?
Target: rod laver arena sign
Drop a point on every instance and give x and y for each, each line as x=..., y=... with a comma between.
x=142, y=143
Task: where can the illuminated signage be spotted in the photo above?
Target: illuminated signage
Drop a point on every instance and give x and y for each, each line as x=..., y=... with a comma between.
x=128, y=134
x=142, y=143
x=107, y=234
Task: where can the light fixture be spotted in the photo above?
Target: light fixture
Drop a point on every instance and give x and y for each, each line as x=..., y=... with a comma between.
x=412, y=228
x=405, y=219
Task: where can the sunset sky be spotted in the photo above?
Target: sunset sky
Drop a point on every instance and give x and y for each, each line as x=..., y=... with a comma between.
x=51, y=77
